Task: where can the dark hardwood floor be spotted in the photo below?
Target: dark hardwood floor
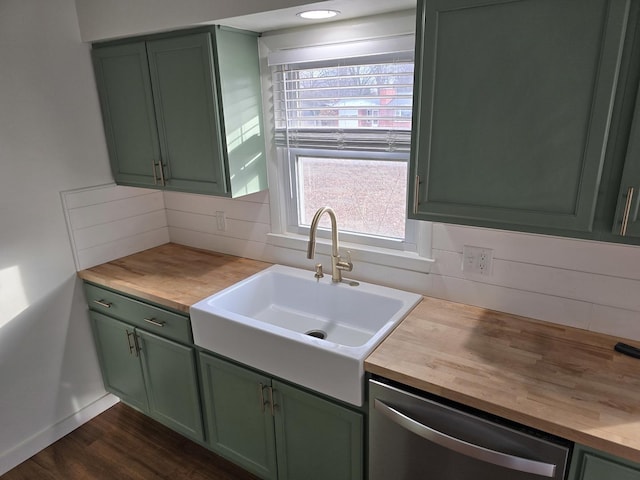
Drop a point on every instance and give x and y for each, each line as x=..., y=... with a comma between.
x=124, y=444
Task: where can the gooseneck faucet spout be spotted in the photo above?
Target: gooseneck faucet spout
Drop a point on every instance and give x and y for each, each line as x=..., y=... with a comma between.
x=337, y=264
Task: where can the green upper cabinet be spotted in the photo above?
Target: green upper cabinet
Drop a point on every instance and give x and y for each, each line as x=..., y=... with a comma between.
x=184, y=92
x=123, y=81
x=512, y=107
x=590, y=464
x=627, y=221
x=184, y=111
x=242, y=111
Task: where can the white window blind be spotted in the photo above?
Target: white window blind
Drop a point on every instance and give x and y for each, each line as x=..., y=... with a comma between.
x=361, y=103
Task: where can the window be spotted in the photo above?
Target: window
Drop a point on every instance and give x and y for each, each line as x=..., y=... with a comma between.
x=367, y=192
x=343, y=133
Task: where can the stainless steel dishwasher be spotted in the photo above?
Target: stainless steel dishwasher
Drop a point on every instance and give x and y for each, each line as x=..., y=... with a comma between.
x=412, y=437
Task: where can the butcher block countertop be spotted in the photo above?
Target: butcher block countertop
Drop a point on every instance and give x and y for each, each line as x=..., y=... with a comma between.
x=558, y=379
x=561, y=380
x=173, y=275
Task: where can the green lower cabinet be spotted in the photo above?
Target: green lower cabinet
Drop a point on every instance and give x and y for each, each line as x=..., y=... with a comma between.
x=171, y=379
x=278, y=431
x=590, y=464
x=316, y=439
x=240, y=426
x=121, y=369
x=151, y=373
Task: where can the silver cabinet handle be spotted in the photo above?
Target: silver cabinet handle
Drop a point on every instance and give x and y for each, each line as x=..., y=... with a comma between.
x=627, y=211
x=155, y=177
x=136, y=344
x=102, y=303
x=261, y=391
x=162, y=180
x=272, y=404
x=155, y=322
x=483, y=454
x=416, y=193
x=153, y=167
x=131, y=347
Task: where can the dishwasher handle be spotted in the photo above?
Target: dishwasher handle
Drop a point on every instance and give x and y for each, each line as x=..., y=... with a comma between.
x=483, y=454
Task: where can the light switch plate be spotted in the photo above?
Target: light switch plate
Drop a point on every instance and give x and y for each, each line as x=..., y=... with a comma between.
x=221, y=220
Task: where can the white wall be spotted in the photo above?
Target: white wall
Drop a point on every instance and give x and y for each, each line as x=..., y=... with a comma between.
x=100, y=19
x=51, y=140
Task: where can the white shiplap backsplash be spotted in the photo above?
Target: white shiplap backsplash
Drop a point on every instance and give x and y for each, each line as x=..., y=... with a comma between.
x=586, y=284
x=111, y=221
x=589, y=285
x=193, y=221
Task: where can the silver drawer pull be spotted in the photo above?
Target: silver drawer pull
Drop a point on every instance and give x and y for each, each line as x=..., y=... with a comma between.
x=102, y=303
x=465, y=448
x=155, y=322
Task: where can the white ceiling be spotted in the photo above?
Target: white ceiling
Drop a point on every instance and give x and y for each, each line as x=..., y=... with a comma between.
x=287, y=18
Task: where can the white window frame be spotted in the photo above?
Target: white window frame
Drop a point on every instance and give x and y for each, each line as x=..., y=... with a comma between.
x=414, y=255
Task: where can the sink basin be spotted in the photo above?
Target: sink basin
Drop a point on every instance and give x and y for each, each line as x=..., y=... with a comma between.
x=288, y=324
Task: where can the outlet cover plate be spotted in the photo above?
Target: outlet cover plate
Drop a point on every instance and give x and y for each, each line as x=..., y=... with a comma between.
x=477, y=260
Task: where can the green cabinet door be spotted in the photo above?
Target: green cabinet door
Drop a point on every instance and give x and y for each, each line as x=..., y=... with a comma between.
x=119, y=360
x=589, y=464
x=186, y=103
x=627, y=219
x=238, y=413
x=172, y=384
x=316, y=439
x=512, y=107
x=124, y=87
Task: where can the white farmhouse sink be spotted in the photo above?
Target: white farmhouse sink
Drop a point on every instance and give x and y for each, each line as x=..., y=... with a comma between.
x=268, y=321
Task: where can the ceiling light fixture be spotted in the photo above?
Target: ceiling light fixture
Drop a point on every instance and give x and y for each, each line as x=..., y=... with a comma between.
x=318, y=14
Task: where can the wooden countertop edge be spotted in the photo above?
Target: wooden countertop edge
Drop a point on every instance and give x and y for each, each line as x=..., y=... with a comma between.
x=172, y=275
x=129, y=289
x=570, y=433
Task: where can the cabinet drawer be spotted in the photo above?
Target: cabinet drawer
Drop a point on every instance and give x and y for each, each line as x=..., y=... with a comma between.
x=139, y=314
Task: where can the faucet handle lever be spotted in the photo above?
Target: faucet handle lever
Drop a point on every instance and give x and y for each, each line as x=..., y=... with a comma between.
x=348, y=265
x=318, y=273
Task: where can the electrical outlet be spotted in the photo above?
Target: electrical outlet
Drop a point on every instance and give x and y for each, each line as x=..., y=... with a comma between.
x=221, y=220
x=477, y=260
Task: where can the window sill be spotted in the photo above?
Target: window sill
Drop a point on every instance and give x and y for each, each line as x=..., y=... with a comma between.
x=359, y=253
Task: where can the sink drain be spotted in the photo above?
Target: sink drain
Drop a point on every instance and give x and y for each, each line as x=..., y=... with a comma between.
x=317, y=334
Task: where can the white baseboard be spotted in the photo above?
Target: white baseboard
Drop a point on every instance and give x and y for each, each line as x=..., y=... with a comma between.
x=49, y=435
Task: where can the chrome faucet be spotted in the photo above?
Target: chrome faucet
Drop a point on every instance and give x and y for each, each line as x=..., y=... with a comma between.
x=337, y=264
